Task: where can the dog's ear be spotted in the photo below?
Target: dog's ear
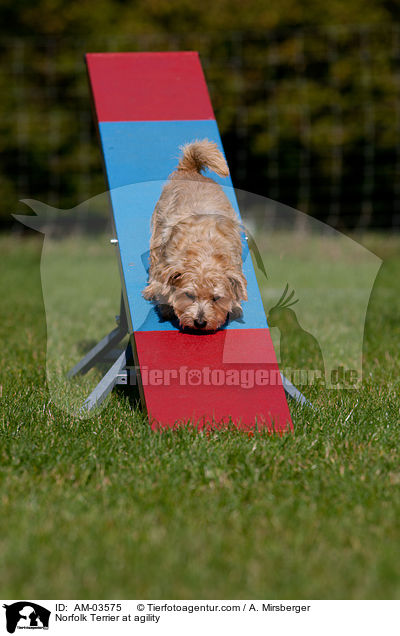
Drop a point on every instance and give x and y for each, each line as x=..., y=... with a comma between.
x=239, y=285
x=171, y=280
x=174, y=278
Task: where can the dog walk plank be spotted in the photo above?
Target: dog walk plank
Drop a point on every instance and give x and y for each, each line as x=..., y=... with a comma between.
x=147, y=105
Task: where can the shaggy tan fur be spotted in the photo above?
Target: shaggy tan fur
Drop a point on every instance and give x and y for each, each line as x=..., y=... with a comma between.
x=195, y=248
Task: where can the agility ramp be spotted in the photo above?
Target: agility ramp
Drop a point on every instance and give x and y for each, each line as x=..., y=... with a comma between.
x=147, y=105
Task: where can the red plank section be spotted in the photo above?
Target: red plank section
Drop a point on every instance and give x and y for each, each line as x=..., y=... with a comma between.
x=149, y=86
x=185, y=377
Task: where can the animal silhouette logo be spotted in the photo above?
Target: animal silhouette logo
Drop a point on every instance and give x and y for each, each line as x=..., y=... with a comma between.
x=299, y=349
x=26, y=615
x=338, y=320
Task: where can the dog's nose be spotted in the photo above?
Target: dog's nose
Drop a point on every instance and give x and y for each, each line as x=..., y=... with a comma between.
x=200, y=324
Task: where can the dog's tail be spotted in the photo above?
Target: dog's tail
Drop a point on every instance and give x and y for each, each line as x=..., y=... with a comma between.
x=203, y=154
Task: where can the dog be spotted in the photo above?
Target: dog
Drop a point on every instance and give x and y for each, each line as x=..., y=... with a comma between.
x=195, y=270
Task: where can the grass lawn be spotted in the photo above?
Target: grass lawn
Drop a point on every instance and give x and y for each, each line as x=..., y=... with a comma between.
x=105, y=508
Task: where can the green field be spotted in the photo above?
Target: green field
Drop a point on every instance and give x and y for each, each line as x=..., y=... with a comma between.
x=105, y=508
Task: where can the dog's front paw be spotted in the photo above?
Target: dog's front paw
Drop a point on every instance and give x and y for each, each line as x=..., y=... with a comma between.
x=151, y=291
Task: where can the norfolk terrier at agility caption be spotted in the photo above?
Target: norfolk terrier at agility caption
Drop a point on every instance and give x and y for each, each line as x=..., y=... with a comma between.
x=195, y=270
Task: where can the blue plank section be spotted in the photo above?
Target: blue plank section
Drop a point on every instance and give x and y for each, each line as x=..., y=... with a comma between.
x=139, y=156
x=137, y=151
x=133, y=206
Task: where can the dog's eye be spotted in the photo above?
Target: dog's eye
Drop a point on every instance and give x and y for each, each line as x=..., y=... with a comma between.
x=190, y=296
x=216, y=298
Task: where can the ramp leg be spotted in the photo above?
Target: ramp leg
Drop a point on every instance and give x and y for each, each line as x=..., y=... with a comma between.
x=98, y=351
x=106, y=384
x=294, y=393
x=101, y=348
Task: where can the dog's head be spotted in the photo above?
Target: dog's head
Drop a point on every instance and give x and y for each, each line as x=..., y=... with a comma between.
x=203, y=299
x=200, y=272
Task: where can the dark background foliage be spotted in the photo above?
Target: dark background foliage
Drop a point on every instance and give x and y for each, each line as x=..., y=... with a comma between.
x=306, y=94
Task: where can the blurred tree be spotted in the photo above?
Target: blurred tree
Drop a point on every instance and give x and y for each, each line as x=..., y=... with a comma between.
x=307, y=96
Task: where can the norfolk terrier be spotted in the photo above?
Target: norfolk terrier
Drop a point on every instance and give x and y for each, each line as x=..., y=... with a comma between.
x=195, y=248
